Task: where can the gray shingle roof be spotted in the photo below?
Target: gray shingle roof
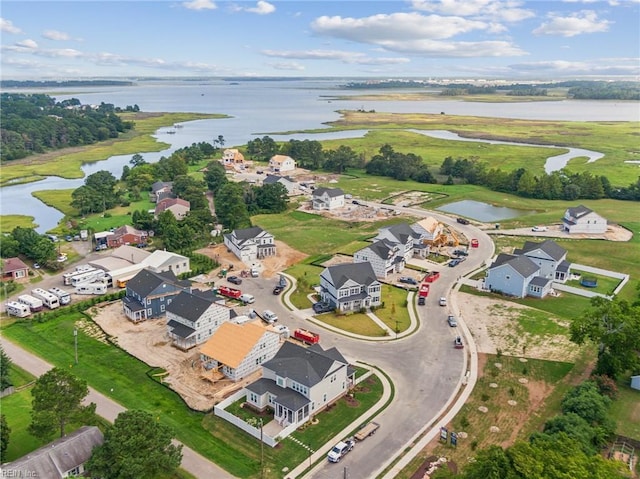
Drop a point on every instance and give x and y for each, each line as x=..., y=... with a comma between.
x=550, y=247
x=306, y=366
x=401, y=231
x=247, y=233
x=380, y=249
x=54, y=459
x=579, y=211
x=180, y=329
x=189, y=306
x=146, y=281
x=287, y=397
x=331, y=192
x=523, y=266
x=361, y=273
x=539, y=281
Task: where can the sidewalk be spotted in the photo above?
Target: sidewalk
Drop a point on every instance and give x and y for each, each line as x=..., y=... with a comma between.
x=192, y=462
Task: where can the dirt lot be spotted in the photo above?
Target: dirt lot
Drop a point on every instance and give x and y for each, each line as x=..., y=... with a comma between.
x=613, y=233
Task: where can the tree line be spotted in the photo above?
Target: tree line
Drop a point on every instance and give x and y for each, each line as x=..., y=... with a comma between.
x=37, y=123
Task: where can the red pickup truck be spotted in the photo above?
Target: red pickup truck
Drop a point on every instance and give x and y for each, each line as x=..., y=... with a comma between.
x=424, y=290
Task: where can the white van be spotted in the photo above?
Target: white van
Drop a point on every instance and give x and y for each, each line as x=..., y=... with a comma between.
x=269, y=316
x=247, y=298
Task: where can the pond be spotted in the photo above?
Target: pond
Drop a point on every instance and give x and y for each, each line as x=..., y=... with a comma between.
x=482, y=211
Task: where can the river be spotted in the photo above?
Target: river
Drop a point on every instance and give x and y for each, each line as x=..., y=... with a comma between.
x=258, y=108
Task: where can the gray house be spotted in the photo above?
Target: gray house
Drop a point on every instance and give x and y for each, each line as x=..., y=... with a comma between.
x=548, y=255
x=350, y=287
x=384, y=256
x=511, y=275
x=402, y=235
x=299, y=382
x=250, y=244
x=581, y=219
x=149, y=293
x=64, y=457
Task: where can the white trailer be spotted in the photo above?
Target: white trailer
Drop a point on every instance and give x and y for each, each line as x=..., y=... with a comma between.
x=35, y=304
x=63, y=296
x=88, y=277
x=91, y=288
x=83, y=268
x=50, y=300
x=17, y=309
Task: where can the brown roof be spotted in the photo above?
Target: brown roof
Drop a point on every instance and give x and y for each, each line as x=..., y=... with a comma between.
x=231, y=343
x=13, y=264
x=169, y=202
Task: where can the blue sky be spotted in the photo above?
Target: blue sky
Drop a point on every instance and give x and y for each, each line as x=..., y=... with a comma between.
x=417, y=38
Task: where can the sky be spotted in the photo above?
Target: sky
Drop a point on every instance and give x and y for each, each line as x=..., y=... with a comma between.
x=510, y=39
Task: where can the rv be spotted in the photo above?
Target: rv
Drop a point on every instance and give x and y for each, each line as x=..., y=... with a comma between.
x=18, y=309
x=63, y=296
x=87, y=277
x=35, y=304
x=50, y=300
x=91, y=288
x=85, y=268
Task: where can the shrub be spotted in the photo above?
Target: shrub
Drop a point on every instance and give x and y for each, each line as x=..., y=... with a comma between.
x=606, y=385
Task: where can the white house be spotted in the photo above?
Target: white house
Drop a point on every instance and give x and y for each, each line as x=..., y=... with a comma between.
x=549, y=256
x=238, y=350
x=581, y=219
x=350, y=287
x=385, y=258
x=402, y=235
x=232, y=157
x=327, y=199
x=289, y=183
x=193, y=318
x=282, y=164
x=250, y=244
x=299, y=382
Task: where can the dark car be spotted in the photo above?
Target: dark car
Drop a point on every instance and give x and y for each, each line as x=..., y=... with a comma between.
x=460, y=252
x=234, y=280
x=408, y=280
x=452, y=321
x=321, y=307
x=463, y=221
x=277, y=290
x=454, y=262
x=421, y=300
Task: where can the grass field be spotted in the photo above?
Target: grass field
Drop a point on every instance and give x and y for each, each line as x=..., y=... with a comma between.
x=9, y=222
x=626, y=410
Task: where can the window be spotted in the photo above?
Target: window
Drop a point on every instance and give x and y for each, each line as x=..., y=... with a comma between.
x=162, y=299
x=280, y=381
x=149, y=312
x=148, y=302
x=162, y=307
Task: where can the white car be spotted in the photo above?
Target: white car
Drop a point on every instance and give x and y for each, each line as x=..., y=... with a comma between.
x=269, y=316
x=443, y=301
x=539, y=229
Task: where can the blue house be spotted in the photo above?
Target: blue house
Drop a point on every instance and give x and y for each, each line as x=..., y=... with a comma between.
x=149, y=293
x=549, y=256
x=511, y=275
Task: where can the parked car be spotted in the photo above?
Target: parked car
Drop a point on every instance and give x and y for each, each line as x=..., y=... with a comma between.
x=322, y=307
x=234, y=279
x=460, y=252
x=443, y=301
x=462, y=221
x=408, y=280
x=269, y=316
x=454, y=262
x=421, y=300
x=538, y=229
x=452, y=321
x=457, y=343
x=277, y=290
x=340, y=450
x=36, y=266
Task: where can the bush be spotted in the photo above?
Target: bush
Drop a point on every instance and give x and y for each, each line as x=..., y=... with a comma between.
x=606, y=385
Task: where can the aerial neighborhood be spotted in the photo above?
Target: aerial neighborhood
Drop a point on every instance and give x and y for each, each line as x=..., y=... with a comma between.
x=268, y=310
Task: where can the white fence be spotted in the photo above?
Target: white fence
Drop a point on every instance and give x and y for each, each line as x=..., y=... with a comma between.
x=624, y=278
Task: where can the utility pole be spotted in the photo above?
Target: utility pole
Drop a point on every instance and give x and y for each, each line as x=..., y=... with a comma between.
x=261, y=452
x=75, y=341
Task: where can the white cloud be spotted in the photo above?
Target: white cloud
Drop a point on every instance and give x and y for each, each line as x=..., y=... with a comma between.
x=592, y=67
x=496, y=10
x=200, y=5
x=61, y=52
x=261, y=8
x=585, y=21
x=288, y=66
x=337, y=55
x=7, y=26
x=55, y=35
x=28, y=43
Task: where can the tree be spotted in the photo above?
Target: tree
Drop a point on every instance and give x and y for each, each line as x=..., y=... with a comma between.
x=215, y=177
x=490, y=463
x=5, y=431
x=136, y=446
x=137, y=160
x=231, y=209
x=5, y=368
x=57, y=401
x=615, y=327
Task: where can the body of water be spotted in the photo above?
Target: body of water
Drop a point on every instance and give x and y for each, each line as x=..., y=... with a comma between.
x=259, y=108
x=481, y=211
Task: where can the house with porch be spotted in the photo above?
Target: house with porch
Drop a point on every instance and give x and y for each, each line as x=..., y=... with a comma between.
x=350, y=286
x=149, y=293
x=250, y=244
x=580, y=219
x=281, y=164
x=62, y=458
x=323, y=199
x=549, y=256
x=385, y=258
x=14, y=269
x=193, y=318
x=238, y=350
x=300, y=382
x=511, y=275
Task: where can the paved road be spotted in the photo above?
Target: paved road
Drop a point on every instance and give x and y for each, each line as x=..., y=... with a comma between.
x=109, y=409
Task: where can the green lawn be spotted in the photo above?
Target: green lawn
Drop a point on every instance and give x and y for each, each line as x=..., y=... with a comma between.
x=625, y=410
x=394, y=313
x=9, y=222
x=17, y=410
x=357, y=323
x=20, y=377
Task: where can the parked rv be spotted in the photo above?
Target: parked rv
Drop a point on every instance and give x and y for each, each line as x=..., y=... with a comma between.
x=91, y=288
x=17, y=309
x=63, y=296
x=34, y=304
x=50, y=300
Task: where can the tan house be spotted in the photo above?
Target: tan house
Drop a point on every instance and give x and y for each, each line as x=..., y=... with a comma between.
x=428, y=228
x=238, y=350
x=14, y=268
x=177, y=206
x=282, y=164
x=231, y=157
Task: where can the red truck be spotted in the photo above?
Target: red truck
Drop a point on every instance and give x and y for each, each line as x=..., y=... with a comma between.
x=306, y=336
x=229, y=292
x=424, y=290
x=432, y=276
x=475, y=243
